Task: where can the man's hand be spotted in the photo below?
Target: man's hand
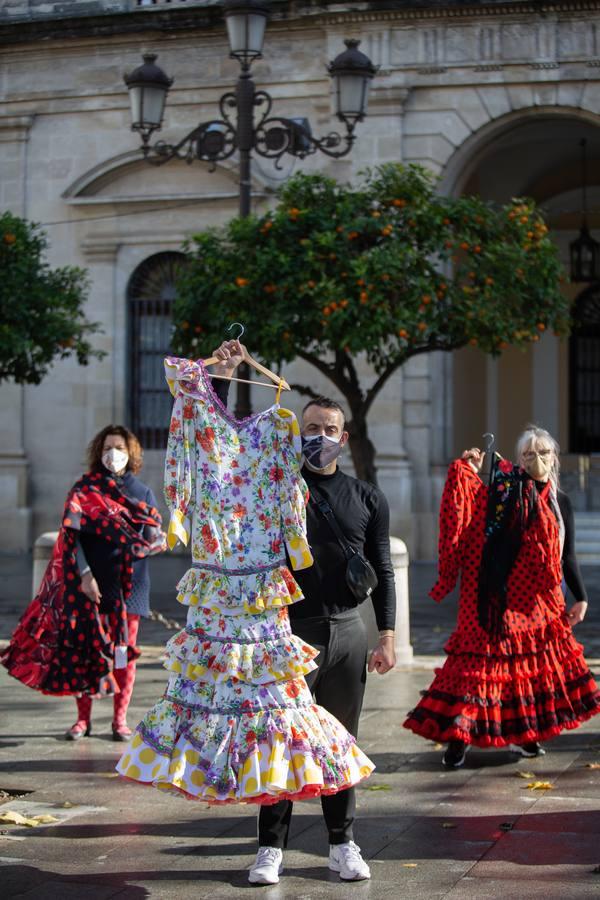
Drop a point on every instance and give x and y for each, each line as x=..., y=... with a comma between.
x=90, y=588
x=475, y=458
x=577, y=612
x=383, y=657
x=230, y=354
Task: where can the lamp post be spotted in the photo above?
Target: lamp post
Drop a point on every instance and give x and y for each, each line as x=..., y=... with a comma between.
x=268, y=136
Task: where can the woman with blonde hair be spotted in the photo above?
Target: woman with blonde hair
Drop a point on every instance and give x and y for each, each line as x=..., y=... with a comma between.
x=77, y=637
x=515, y=675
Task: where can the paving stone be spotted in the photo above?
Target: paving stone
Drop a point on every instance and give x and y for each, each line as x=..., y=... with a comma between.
x=427, y=832
x=472, y=888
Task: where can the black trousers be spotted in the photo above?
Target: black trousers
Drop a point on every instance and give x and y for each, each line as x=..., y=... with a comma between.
x=339, y=686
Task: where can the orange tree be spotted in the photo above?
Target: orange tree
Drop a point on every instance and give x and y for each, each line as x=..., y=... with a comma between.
x=389, y=269
x=41, y=309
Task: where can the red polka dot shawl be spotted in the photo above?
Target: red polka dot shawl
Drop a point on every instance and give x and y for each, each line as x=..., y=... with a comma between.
x=62, y=644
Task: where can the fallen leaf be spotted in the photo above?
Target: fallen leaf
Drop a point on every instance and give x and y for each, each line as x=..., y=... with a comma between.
x=540, y=786
x=449, y=825
x=525, y=774
x=67, y=805
x=438, y=746
x=592, y=765
x=409, y=865
x=378, y=787
x=14, y=818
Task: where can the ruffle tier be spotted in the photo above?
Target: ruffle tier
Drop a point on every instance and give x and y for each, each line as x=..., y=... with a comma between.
x=233, y=593
x=256, y=649
x=496, y=700
x=195, y=657
x=521, y=642
x=259, y=757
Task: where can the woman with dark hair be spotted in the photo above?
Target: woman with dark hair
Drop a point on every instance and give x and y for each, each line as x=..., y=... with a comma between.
x=515, y=675
x=77, y=637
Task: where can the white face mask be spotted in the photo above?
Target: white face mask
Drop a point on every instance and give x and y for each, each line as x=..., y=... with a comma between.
x=115, y=460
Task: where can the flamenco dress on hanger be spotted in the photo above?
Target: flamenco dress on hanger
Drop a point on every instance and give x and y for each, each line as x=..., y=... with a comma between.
x=237, y=722
x=522, y=678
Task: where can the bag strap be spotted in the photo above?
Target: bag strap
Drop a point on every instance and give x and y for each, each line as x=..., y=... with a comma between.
x=329, y=516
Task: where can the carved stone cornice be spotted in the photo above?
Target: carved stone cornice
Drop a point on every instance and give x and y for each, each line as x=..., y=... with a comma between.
x=387, y=100
x=15, y=129
x=96, y=250
x=432, y=10
x=289, y=15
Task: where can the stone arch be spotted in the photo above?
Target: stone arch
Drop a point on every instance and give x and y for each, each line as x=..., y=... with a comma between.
x=530, y=150
x=460, y=165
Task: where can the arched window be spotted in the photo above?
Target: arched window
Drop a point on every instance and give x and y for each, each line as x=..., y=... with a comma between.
x=150, y=297
x=584, y=374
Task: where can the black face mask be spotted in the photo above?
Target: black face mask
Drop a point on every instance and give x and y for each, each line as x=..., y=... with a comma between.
x=320, y=451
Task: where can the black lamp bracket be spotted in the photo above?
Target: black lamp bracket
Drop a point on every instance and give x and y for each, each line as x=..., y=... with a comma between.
x=272, y=137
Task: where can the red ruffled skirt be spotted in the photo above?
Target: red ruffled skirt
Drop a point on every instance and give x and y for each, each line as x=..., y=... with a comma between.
x=526, y=687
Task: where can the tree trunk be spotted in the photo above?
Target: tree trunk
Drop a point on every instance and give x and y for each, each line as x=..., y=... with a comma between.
x=362, y=448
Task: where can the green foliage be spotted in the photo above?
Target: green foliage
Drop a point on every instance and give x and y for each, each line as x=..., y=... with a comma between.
x=389, y=268
x=41, y=309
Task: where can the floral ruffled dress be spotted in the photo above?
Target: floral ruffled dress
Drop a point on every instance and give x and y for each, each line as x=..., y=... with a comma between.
x=237, y=722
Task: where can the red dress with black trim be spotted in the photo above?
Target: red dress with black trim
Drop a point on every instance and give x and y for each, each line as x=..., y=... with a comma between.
x=528, y=683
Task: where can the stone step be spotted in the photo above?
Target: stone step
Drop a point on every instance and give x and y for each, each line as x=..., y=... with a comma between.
x=587, y=538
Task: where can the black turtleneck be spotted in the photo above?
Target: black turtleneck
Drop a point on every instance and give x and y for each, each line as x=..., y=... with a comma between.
x=570, y=566
x=363, y=515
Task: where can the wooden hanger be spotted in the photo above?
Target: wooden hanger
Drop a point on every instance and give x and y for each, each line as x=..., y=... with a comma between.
x=279, y=382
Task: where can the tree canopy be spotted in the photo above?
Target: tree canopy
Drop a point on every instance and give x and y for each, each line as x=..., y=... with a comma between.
x=389, y=268
x=41, y=308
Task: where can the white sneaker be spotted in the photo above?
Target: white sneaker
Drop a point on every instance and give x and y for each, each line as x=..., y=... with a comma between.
x=267, y=866
x=346, y=859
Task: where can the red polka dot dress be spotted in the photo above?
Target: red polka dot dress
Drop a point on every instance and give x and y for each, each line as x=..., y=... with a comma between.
x=528, y=682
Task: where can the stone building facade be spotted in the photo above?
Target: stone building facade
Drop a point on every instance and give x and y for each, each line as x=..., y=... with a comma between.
x=493, y=96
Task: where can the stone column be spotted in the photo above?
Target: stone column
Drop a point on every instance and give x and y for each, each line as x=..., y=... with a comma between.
x=15, y=511
x=402, y=644
x=106, y=393
x=417, y=415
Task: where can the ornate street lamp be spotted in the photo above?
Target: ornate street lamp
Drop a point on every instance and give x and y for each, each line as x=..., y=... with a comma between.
x=352, y=72
x=148, y=87
x=584, y=250
x=269, y=136
x=246, y=21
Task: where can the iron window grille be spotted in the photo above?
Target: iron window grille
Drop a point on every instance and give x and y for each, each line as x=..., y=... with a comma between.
x=150, y=296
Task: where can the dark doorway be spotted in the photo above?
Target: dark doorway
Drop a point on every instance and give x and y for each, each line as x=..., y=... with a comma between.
x=584, y=374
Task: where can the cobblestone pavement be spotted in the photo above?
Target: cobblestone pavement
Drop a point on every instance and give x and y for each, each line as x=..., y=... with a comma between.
x=478, y=833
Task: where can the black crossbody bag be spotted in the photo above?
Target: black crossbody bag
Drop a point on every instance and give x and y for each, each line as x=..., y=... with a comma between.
x=360, y=574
